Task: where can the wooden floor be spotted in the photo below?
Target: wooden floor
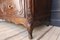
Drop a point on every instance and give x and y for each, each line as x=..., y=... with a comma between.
x=10, y=31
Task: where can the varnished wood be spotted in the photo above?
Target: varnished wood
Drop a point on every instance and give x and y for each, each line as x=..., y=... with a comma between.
x=35, y=11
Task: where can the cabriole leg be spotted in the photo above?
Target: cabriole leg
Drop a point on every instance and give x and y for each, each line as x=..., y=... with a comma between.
x=30, y=30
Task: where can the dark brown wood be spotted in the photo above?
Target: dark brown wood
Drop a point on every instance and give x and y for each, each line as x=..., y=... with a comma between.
x=35, y=11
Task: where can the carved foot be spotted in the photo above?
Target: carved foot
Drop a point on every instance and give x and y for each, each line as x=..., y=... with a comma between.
x=30, y=34
x=30, y=30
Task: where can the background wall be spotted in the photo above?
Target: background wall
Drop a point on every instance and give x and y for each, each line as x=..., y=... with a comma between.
x=55, y=15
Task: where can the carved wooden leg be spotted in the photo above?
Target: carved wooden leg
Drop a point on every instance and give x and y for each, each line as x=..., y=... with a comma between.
x=30, y=30
x=29, y=27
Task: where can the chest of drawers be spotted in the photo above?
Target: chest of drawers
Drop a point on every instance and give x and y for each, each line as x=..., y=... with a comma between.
x=25, y=12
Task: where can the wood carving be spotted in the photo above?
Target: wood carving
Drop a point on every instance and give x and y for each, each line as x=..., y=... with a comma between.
x=25, y=12
x=11, y=11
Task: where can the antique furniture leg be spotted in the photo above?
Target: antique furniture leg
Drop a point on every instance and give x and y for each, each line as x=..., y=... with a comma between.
x=29, y=9
x=30, y=29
